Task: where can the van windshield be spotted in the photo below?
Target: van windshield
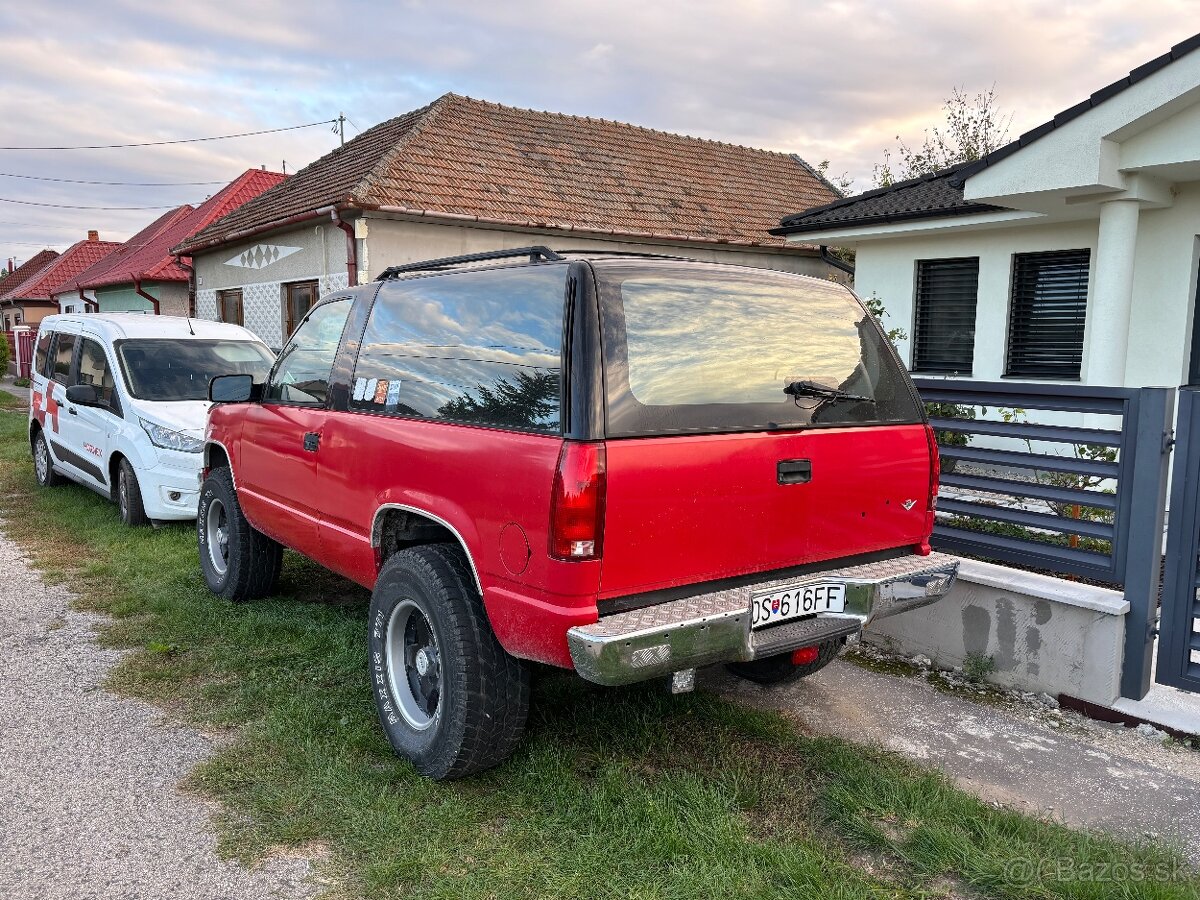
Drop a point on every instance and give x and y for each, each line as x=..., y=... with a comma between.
x=691, y=348
x=160, y=369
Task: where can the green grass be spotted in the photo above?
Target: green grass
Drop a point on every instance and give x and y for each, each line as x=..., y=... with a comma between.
x=614, y=793
x=10, y=401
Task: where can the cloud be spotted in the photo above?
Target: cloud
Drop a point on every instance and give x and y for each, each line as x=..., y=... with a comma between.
x=834, y=80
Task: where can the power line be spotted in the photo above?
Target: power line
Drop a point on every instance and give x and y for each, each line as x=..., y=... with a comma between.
x=37, y=225
x=68, y=206
x=218, y=137
x=121, y=183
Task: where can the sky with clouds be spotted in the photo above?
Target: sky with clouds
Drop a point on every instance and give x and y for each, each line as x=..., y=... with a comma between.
x=828, y=79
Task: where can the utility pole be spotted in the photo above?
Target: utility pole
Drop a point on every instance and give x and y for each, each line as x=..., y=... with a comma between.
x=341, y=120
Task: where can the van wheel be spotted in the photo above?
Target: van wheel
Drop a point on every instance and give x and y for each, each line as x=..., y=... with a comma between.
x=239, y=563
x=780, y=669
x=43, y=463
x=129, y=496
x=450, y=699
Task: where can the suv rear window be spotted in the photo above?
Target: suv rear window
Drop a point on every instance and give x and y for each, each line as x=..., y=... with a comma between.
x=711, y=349
x=481, y=347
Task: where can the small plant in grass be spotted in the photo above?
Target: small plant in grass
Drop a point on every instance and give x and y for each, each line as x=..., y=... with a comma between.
x=21, y=382
x=977, y=667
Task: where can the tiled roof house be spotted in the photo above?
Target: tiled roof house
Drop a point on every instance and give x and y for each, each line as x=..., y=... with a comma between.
x=9, y=316
x=33, y=298
x=462, y=175
x=141, y=275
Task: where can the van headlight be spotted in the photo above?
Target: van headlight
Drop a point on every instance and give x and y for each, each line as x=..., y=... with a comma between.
x=171, y=440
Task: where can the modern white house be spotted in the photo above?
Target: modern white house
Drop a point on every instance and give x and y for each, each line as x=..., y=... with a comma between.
x=1070, y=254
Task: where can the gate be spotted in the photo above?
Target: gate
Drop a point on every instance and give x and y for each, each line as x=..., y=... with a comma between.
x=1135, y=504
x=23, y=341
x=1179, y=619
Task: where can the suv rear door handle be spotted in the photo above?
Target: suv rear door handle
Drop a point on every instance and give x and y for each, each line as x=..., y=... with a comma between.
x=312, y=440
x=794, y=471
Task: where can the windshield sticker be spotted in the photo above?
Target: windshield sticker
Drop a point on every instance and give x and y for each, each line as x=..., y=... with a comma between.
x=381, y=390
x=369, y=390
x=393, y=393
x=360, y=388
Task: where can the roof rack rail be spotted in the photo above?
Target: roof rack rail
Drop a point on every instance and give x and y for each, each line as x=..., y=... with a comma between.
x=535, y=254
x=633, y=253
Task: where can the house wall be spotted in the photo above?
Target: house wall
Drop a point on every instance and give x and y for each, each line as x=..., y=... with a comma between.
x=391, y=242
x=172, y=298
x=887, y=269
x=306, y=252
x=320, y=254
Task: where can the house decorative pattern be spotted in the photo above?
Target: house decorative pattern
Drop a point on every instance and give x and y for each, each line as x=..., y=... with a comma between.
x=260, y=256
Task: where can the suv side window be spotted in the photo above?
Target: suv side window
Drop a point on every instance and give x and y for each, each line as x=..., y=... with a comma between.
x=42, y=353
x=64, y=349
x=482, y=347
x=94, y=370
x=302, y=373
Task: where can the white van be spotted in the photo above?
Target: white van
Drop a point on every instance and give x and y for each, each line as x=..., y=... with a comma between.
x=119, y=403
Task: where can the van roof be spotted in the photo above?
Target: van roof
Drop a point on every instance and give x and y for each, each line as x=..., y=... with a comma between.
x=115, y=326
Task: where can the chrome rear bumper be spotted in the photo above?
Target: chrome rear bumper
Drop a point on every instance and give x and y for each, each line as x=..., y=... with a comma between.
x=711, y=628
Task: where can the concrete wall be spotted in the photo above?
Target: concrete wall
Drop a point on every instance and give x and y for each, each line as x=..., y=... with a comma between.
x=1043, y=634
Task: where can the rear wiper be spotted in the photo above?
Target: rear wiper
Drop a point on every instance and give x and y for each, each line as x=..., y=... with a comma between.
x=798, y=389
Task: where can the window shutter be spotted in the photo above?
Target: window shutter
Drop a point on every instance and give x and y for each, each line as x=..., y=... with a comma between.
x=944, y=325
x=1046, y=316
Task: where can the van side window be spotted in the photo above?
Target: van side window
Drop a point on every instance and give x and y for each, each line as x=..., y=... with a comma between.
x=64, y=349
x=302, y=374
x=483, y=348
x=94, y=370
x=42, y=353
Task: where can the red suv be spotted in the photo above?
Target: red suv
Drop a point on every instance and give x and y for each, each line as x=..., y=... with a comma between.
x=629, y=466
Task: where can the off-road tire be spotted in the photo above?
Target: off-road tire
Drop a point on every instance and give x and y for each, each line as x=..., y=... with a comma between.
x=252, y=560
x=780, y=669
x=484, y=693
x=45, y=474
x=129, y=497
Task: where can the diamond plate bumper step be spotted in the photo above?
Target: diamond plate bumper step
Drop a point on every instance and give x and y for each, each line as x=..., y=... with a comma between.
x=710, y=628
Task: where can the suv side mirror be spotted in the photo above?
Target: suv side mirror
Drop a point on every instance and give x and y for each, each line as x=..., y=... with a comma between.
x=83, y=395
x=232, y=389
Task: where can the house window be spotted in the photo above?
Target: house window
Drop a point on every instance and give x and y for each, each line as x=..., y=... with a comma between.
x=299, y=298
x=229, y=307
x=1045, y=324
x=944, y=323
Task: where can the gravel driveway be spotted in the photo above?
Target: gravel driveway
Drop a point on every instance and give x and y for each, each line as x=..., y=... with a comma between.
x=89, y=800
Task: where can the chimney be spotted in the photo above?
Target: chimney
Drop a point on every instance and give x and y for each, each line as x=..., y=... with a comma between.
x=93, y=236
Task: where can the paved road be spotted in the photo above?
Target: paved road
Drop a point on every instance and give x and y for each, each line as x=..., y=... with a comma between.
x=89, y=799
x=1040, y=761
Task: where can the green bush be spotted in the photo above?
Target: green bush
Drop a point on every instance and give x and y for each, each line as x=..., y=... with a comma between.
x=4, y=356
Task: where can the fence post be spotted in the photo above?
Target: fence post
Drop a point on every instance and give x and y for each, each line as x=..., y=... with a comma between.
x=1147, y=430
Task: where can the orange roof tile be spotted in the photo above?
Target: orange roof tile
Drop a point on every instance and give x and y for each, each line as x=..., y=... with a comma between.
x=147, y=254
x=468, y=158
x=44, y=283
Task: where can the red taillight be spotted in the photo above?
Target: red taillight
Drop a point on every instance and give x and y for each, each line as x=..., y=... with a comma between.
x=577, y=503
x=935, y=475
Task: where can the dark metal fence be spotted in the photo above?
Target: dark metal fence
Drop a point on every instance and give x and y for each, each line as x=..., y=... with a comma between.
x=1002, y=501
x=1179, y=641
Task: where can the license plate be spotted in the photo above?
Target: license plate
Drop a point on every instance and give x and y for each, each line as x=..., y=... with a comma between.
x=780, y=605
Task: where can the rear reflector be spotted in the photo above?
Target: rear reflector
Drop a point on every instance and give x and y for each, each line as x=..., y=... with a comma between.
x=805, y=655
x=577, y=502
